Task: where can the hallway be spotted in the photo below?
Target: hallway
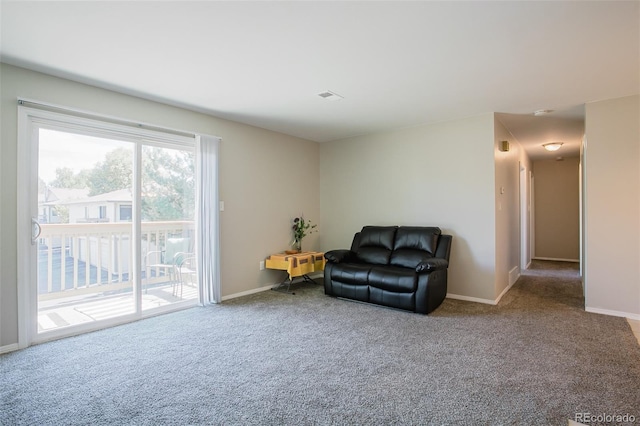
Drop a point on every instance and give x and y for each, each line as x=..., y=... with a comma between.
x=566, y=272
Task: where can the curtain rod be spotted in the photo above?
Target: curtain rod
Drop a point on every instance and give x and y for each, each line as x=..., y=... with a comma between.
x=109, y=119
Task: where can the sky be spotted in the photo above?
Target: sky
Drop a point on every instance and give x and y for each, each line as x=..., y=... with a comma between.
x=60, y=149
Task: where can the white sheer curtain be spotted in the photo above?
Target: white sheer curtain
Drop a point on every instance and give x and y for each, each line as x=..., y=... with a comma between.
x=207, y=218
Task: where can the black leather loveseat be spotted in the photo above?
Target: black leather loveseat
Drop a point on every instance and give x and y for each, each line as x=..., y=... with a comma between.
x=402, y=267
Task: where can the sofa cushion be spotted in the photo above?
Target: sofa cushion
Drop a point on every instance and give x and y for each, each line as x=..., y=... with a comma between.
x=375, y=245
x=392, y=278
x=413, y=245
x=351, y=273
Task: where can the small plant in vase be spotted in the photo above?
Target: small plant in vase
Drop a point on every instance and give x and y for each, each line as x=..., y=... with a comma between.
x=301, y=228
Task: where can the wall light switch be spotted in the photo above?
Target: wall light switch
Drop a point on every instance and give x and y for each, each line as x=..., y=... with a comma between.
x=262, y=265
x=221, y=206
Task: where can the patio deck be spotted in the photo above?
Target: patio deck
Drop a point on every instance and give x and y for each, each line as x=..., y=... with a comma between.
x=84, y=272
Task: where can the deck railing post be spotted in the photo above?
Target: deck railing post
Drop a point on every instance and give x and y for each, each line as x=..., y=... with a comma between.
x=79, y=238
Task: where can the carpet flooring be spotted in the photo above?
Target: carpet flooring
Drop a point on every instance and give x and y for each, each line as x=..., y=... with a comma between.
x=537, y=358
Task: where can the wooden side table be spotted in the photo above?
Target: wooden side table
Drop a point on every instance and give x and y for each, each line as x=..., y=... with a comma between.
x=296, y=265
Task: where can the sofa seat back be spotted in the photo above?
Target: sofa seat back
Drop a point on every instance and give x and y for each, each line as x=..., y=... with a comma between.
x=414, y=244
x=404, y=246
x=375, y=244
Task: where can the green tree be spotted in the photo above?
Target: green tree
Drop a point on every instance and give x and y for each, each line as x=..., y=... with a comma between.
x=168, y=184
x=42, y=186
x=168, y=180
x=112, y=174
x=66, y=178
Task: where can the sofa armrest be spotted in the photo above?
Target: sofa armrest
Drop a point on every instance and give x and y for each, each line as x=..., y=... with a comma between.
x=337, y=256
x=432, y=264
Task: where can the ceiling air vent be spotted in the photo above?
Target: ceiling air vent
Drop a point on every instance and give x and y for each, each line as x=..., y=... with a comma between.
x=330, y=96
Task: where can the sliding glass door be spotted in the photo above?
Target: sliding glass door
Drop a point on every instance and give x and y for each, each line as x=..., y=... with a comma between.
x=168, y=228
x=84, y=247
x=112, y=218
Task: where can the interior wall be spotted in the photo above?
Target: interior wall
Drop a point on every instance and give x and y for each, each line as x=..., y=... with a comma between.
x=507, y=208
x=612, y=207
x=557, y=213
x=526, y=212
x=266, y=179
x=434, y=175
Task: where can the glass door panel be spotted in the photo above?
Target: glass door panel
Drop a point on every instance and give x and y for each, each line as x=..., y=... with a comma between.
x=84, y=249
x=168, y=270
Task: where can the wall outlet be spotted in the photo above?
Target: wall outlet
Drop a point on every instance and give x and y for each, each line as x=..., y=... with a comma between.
x=262, y=265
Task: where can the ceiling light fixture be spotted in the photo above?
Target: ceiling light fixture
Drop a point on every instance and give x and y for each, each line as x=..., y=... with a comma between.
x=542, y=112
x=553, y=146
x=330, y=96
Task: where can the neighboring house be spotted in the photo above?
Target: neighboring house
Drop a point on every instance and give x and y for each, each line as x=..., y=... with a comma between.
x=51, y=202
x=112, y=206
x=64, y=205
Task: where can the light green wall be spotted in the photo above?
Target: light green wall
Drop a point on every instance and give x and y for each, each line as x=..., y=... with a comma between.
x=266, y=178
x=437, y=175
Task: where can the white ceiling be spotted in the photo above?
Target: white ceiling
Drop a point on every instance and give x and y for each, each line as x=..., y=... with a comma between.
x=396, y=64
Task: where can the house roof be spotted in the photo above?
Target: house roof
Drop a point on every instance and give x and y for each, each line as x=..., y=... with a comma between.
x=52, y=196
x=119, y=196
x=396, y=64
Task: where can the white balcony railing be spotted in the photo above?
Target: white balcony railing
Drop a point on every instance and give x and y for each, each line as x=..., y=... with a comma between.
x=82, y=258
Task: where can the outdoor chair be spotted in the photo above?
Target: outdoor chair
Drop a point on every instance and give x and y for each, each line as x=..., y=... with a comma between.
x=176, y=250
x=187, y=274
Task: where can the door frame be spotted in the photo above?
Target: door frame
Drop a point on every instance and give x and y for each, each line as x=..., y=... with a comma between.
x=524, y=219
x=30, y=120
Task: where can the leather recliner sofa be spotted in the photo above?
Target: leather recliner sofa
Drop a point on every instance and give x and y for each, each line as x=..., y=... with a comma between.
x=402, y=267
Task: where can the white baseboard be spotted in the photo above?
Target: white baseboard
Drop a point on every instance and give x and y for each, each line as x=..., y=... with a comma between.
x=471, y=299
x=557, y=259
x=264, y=288
x=514, y=274
x=248, y=292
x=613, y=313
x=9, y=348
